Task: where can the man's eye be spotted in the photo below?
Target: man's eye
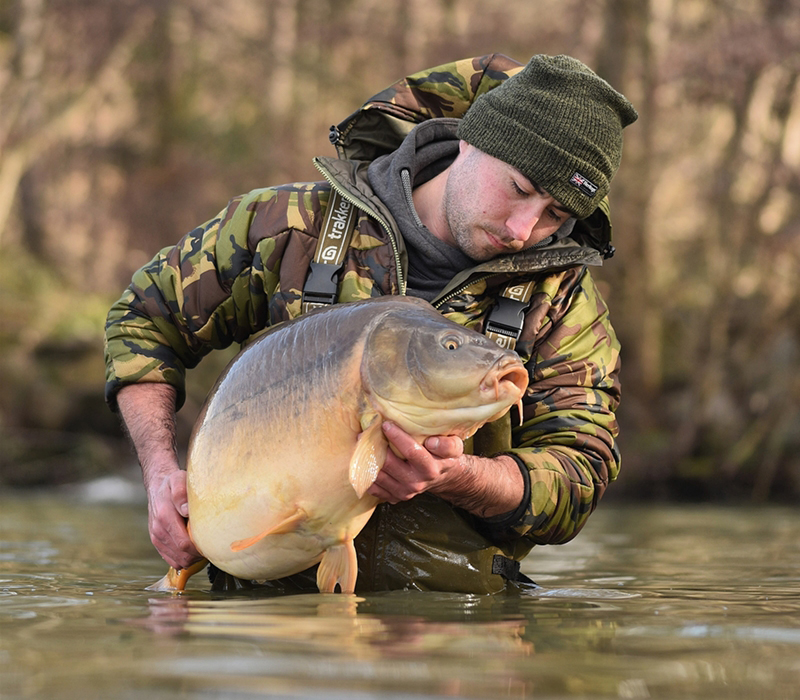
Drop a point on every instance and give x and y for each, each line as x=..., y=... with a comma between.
x=555, y=215
x=518, y=189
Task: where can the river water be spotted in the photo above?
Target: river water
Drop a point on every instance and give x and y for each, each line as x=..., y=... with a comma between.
x=648, y=602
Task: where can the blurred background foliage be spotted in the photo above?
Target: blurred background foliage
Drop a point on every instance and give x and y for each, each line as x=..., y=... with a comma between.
x=125, y=123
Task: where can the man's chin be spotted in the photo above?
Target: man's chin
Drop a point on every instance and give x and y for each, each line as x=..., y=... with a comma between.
x=479, y=253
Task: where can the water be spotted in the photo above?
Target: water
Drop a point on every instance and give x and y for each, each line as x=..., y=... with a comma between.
x=648, y=602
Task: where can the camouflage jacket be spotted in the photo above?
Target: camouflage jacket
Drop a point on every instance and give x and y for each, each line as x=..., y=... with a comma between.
x=244, y=270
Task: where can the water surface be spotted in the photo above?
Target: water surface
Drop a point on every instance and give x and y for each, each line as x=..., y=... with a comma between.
x=648, y=602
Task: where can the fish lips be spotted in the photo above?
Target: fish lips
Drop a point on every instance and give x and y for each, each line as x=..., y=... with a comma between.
x=508, y=377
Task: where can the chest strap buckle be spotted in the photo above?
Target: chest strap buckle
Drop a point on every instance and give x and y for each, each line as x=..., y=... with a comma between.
x=507, y=318
x=320, y=287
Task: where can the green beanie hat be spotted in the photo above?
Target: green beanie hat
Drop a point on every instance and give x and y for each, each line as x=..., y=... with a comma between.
x=559, y=124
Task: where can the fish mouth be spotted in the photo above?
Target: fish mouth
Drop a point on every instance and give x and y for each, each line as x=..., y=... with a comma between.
x=507, y=378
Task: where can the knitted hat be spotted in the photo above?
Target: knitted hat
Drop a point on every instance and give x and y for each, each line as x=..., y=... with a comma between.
x=559, y=124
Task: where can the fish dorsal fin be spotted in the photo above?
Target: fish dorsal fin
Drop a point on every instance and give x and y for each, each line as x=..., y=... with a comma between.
x=284, y=527
x=369, y=456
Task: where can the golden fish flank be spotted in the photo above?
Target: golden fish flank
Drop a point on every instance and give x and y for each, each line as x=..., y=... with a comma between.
x=290, y=438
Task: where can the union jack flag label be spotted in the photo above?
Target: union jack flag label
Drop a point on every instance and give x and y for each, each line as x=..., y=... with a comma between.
x=583, y=183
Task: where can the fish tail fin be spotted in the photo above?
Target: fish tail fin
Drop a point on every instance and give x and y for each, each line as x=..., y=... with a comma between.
x=368, y=457
x=339, y=565
x=175, y=579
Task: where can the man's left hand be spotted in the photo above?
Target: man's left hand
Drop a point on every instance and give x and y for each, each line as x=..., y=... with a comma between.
x=484, y=486
x=420, y=468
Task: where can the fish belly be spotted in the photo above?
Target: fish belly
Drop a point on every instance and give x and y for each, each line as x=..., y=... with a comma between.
x=273, y=460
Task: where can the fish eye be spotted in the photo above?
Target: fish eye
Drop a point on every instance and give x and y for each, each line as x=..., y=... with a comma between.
x=451, y=342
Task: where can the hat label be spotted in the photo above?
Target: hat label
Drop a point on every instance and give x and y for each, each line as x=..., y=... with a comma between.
x=583, y=183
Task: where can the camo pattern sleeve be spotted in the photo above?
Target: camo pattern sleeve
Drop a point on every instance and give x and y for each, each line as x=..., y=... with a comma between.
x=210, y=290
x=568, y=437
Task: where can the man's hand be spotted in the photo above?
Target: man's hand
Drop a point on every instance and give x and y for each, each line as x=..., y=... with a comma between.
x=167, y=512
x=483, y=486
x=148, y=411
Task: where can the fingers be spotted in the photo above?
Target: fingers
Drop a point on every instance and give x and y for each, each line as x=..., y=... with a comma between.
x=406, y=446
x=410, y=468
x=177, y=487
x=443, y=447
x=384, y=492
x=167, y=523
x=397, y=481
x=170, y=538
x=448, y=446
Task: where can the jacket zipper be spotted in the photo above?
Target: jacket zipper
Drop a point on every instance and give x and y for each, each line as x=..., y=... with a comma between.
x=360, y=204
x=454, y=293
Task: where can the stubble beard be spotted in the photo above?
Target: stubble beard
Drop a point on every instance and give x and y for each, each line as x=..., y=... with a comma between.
x=465, y=241
x=464, y=232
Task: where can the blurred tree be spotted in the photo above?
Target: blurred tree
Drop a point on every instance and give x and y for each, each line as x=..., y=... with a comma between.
x=42, y=114
x=626, y=59
x=125, y=124
x=746, y=77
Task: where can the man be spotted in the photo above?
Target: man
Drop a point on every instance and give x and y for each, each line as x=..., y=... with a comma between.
x=510, y=195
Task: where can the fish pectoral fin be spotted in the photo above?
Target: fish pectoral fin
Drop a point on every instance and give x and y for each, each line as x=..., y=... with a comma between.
x=175, y=579
x=290, y=524
x=339, y=565
x=368, y=458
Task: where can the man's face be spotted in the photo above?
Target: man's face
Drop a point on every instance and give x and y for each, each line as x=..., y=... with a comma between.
x=491, y=208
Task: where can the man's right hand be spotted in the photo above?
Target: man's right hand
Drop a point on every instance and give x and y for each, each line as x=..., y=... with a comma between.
x=167, y=512
x=148, y=410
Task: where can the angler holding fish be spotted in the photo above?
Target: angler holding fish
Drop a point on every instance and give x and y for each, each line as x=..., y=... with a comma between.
x=346, y=436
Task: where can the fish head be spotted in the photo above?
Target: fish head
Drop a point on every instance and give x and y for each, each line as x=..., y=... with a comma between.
x=434, y=377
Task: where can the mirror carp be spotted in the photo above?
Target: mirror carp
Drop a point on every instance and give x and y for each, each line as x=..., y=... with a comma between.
x=290, y=438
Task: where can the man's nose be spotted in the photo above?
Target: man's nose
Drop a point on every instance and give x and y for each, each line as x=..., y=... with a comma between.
x=522, y=221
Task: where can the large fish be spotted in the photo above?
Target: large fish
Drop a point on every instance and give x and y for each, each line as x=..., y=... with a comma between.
x=290, y=437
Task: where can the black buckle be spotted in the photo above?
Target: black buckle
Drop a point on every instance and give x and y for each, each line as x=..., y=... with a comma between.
x=507, y=318
x=509, y=569
x=320, y=287
x=505, y=567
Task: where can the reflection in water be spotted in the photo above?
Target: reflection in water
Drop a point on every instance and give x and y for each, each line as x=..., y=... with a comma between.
x=345, y=646
x=658, y=602
x=333, y=624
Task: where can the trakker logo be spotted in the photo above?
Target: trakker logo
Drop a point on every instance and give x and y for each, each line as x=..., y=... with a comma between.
x=583, y=183
x=339, y=221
